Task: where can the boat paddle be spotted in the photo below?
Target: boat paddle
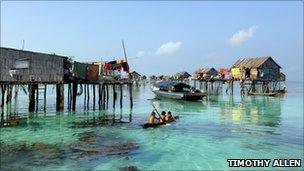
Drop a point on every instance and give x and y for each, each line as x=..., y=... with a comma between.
x=155, y=109
x=158, y=112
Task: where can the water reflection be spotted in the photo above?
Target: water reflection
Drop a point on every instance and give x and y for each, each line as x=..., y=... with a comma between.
x=265, y=111
x=178, y=105
x=268, y=110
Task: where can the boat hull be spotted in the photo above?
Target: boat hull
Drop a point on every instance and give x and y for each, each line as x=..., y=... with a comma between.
x=179, y=95
x=148, y=125
x=263, y=94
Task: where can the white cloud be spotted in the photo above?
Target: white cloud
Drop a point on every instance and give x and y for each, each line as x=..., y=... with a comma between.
x=168, y=48
x=242, y=36
x=141, y=54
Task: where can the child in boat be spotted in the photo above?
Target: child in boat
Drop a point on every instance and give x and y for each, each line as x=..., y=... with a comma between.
x=169, y=117
x=152, y=118
x=162, y=118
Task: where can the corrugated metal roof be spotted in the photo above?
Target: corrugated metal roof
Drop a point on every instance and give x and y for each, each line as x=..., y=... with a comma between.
x=252, y=62
x=53, y=55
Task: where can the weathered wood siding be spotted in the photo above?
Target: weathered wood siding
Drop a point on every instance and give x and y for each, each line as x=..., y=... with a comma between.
x=271, y=71
x=42, y=67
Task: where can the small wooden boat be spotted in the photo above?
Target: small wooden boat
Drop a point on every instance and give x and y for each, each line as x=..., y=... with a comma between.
x=176, y=90
x=149, y=125
x=263, y=94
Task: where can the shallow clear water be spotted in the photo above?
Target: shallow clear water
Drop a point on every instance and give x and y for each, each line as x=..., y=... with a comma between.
x=205, y=136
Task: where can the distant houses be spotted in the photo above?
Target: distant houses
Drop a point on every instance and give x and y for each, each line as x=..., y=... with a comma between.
x=206, y=73
x=181, y=75
x=259, y=68
x=26, y=66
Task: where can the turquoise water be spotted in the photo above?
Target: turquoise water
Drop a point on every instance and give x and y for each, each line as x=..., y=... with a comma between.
x=205, y=136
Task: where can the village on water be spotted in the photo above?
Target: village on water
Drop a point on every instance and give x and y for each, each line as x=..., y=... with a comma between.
x=151, y=85
x=34, y=72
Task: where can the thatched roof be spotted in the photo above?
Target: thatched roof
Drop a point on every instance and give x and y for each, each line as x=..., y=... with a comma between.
x=182, y=75
x=204, y=70
x=252, y=62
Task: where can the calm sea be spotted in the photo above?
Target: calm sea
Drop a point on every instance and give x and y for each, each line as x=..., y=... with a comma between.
x=206, y=135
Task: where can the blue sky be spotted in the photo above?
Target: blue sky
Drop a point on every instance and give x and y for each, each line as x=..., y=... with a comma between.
x=160, y=37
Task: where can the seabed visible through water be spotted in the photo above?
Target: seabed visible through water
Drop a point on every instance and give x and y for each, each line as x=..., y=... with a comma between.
x=206, y=135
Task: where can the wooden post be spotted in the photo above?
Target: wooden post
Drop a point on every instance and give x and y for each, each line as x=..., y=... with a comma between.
x=100, y=96
x=253, y=86
x=88, y=96
x=131, y=96
x=114, y=95
x=121, y=95
x=69, y=96
x=59, y=97
x=206, y=86
x=93, y=96
x=74, y=95
x=3, y=87
x=103, y=97
x=31, y=93
x=85, y=96
x=37, y=98
x=44, y=98
x=107, y=95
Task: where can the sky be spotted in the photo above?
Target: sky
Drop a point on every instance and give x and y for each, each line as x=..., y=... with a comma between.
x=161, y=37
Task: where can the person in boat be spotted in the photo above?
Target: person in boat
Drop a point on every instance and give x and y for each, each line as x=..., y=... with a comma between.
x=153, y=119
x=169, y=117
x=162, y=118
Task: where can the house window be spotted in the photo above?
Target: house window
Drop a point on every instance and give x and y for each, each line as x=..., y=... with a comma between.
x=22, y=64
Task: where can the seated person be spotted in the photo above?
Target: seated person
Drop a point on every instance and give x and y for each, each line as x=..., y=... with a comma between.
x=169, y=117
x=152, y=118
x=162, y=118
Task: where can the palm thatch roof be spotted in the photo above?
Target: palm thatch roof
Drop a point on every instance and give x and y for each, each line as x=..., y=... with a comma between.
x=182, y=75
x=252, y=62
x=205, y=71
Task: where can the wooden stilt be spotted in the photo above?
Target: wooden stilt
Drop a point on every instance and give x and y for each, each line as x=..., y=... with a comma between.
x=37, y=99
x=3, y=88
x=103, y=97
x=85, y=96
x=131, y=96
x=121, y=95
x=107, y=87
x=114, y=95
x=15, y=99
x=74, y=95
x=94, y=96
x=99, y=96
x=69, y=96
x=31, y=93
x=88, y=96
x=206, y=86
x=44, y=98
x=59, y=97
